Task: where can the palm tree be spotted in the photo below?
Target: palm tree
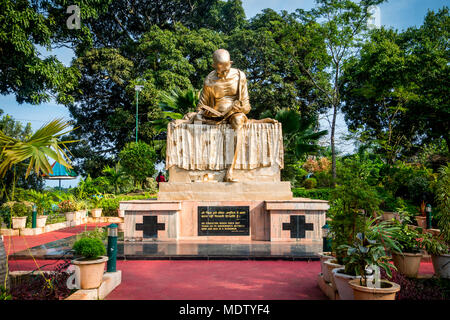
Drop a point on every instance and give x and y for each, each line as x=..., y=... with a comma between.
x=114, y=176
x=43, y=144
x=175, y=105
x=42, y=200
x=299, y=134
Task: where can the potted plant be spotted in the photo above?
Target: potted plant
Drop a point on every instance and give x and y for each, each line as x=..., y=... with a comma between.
x=43, y=201
x=96, y=200
x=440, y=254
x=325, y=256
x=407, y=258
x=92, y=262
x=81, y=213
x=69, y=208
x=19, y=214
x=378, y=232
x=364, y=254
x=439, y=245
x=421, y=219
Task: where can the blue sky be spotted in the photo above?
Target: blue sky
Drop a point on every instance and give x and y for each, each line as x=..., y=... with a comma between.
x=398, y=14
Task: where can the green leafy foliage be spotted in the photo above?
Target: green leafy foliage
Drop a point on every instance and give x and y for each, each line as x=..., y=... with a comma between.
x=42, y=200
x=4, y=294
x=310, y=183
x=42, y=144
x=363, y=253
x=16, y=178
x=443, y=201
x=111, y=205
x=395, y=91
x=67, y=206
x=410, y=240
x=25, y=25
x=89, y=247
x=321, y=193
x=17, y=209
x=352, y=202
x=137, y=160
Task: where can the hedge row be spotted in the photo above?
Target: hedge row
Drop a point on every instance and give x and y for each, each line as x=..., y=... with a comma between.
x=322, y=193
x=110, y=206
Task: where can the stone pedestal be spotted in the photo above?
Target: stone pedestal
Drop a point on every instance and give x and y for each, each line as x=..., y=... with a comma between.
x=197, y=205
x=225, y=191
x=298, y=220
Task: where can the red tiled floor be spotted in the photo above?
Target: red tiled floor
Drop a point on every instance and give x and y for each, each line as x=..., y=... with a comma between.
x=209, y=280
x=18, y=243
x=212, y=280
x=196, y=280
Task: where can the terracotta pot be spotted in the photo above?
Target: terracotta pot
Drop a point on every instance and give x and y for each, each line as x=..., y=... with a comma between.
x=96, y=213
x=331, y=265
x=19, y=222
x=408, y=263
x=441, y=265
x=70, y=216
x=324, y=256
x=91, y=272
x=421, y=222
x=387, y=291
x=388, y=216
x=40, y=221
x=341, y=280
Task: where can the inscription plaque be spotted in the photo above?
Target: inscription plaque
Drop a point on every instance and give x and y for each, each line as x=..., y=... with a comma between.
x=223, y=221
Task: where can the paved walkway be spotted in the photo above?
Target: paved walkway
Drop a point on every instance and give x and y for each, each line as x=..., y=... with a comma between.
x=18, y=243
x=198, y=279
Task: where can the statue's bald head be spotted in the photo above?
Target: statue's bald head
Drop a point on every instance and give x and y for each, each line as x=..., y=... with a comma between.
x=221, y=62
x=221, y=56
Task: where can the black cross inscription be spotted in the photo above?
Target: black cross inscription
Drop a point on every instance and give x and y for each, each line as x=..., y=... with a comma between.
x=150, y=226
x=298, y=226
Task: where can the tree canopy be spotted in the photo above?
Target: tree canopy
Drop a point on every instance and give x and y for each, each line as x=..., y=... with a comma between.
x=396, y=91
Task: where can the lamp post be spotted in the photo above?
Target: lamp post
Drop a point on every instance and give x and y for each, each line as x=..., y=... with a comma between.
x=112, y=248
x=429, y=216
x=33, y=217
x=137, y=88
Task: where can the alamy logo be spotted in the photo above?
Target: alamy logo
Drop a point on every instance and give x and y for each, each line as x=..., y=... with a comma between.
x=374, y=20
x=74, y=21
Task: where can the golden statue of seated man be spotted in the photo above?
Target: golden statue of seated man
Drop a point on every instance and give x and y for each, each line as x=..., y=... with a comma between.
x=224, y=99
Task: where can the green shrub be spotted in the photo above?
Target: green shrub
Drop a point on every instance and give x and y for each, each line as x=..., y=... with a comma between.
x=109, y=207
x=19, y=209
x=322, y=194
x=443, y=202
x=97, y=233
x=310, y=183
x=150, y=185
x=67, y=206
x=324, y=179
x=90, y=248
x=137, y=160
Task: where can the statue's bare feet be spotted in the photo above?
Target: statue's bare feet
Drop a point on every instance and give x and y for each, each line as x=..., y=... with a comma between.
x=265, y=120
x=229, y=176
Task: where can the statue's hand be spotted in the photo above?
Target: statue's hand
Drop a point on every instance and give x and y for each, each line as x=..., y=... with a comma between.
x=237, y=106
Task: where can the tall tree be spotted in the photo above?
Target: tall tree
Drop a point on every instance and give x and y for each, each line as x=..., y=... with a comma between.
x=342, y=25
x=25, y=25
x=396, y=90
